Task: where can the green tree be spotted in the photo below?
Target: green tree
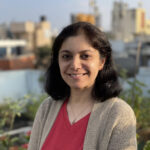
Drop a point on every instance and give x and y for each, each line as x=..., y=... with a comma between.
x=43, y=55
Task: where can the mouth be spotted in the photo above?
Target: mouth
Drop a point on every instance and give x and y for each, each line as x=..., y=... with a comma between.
x=77, y=75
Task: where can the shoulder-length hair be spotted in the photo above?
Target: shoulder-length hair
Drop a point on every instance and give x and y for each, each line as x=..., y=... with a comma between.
x=106, y=84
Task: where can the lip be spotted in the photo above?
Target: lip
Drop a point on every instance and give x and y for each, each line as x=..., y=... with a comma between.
x=77, y=75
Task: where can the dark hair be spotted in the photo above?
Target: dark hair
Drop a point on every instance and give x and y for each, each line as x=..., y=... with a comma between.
x=106, y=84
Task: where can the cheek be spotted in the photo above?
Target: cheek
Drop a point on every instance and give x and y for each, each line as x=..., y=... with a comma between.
x=62, y=67
x=95, y=66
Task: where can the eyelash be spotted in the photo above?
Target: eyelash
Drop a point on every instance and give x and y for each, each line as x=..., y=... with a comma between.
x=83, y=56
x=66, y=56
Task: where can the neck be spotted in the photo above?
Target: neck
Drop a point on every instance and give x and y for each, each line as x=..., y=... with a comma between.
x=80, y=97
x=80, y=104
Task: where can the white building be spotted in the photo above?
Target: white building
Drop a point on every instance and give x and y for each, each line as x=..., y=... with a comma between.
x=11, y=47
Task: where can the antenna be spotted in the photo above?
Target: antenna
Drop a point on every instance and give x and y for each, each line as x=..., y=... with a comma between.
x=93, y=5
x=140, y=4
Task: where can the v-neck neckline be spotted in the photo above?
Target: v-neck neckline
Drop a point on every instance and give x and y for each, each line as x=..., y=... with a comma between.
x=67, y=121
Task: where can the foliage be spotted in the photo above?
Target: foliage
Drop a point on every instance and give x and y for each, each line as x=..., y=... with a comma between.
x=11, y=109
x=32, y=105
x=15, y=143
x=6, y=142
x=133, y=95
x=147, y=146
x=43, y=55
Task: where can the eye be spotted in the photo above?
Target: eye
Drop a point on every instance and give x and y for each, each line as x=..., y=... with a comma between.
x=66, y=56
x=85, y=56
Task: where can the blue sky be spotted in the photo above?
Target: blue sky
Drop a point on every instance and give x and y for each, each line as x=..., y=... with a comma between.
x=58, y=11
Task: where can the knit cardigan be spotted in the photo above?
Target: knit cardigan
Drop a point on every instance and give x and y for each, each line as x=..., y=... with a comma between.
x=111, y=126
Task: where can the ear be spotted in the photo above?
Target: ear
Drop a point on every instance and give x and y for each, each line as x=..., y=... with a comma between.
x=102, y=63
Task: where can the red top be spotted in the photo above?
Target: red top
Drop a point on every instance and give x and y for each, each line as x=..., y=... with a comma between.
x=65, y=136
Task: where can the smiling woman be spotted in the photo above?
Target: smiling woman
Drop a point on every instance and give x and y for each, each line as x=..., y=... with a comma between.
x=79, y=63
x=84, y=112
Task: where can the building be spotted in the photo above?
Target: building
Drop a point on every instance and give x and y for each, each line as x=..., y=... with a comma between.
x=25, y=31
x=36, y=34
x=147, y=27
x=128, y=23
x=144, y=53
x=5, y=31
x=17, y=63
x=95, y=20
x=42, y=33
x=93, y=17
x=119, y=20
x=83, y=17
x=95, y=12
x=12, y=55
x=9, y=48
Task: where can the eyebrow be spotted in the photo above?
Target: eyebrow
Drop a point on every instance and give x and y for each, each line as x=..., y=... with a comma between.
x=67, y=51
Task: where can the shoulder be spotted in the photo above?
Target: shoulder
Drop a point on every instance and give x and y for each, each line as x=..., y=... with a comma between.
x=115, y=109
x=48, y=105
x=44, y=108
x=113, y=104
x=45, y=104
x=121, y=106
x=122, y=111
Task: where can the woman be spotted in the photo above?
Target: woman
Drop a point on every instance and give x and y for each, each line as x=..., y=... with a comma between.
x=83, y=112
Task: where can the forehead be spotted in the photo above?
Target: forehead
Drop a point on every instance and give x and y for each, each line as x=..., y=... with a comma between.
x=78, y=42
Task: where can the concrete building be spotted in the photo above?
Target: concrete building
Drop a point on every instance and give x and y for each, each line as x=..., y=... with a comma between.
x=119, y=20
x=42, y=33
x=83, y=17
x=4, y=31
x=95, y=12
x=147, y=26
x=95, y=20
x=17, y=63
x=128, y=23
x=25, y=31
x=12, y=55
x=36, y=34
x=9, y=48
x=144, y=55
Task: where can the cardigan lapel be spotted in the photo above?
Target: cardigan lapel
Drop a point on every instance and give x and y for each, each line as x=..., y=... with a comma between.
x=96, y=125
x=53, y=112
x=91, y=133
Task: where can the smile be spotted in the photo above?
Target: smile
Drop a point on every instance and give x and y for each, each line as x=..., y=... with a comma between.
x=77, y=75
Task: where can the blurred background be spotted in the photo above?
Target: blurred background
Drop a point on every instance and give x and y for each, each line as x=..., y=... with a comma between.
x=27, y=31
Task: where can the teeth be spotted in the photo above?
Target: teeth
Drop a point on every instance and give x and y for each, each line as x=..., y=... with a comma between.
x=77, y=75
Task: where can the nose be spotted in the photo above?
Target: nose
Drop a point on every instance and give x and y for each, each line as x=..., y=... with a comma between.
x=75, y=63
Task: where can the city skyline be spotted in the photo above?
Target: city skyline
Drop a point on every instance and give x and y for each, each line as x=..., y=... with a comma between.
x=58, y=12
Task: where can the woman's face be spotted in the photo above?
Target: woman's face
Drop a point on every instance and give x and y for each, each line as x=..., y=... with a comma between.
x=79, y=62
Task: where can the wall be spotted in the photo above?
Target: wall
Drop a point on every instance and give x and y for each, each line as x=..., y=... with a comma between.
x=140, y=20
x=20, y=62
x=15, y=84
x=147, y=27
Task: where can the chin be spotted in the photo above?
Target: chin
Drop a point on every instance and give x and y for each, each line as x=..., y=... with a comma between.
x=79, y=87
x=76, y=87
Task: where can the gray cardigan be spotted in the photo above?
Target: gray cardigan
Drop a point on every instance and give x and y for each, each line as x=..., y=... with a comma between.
x=111, y=126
